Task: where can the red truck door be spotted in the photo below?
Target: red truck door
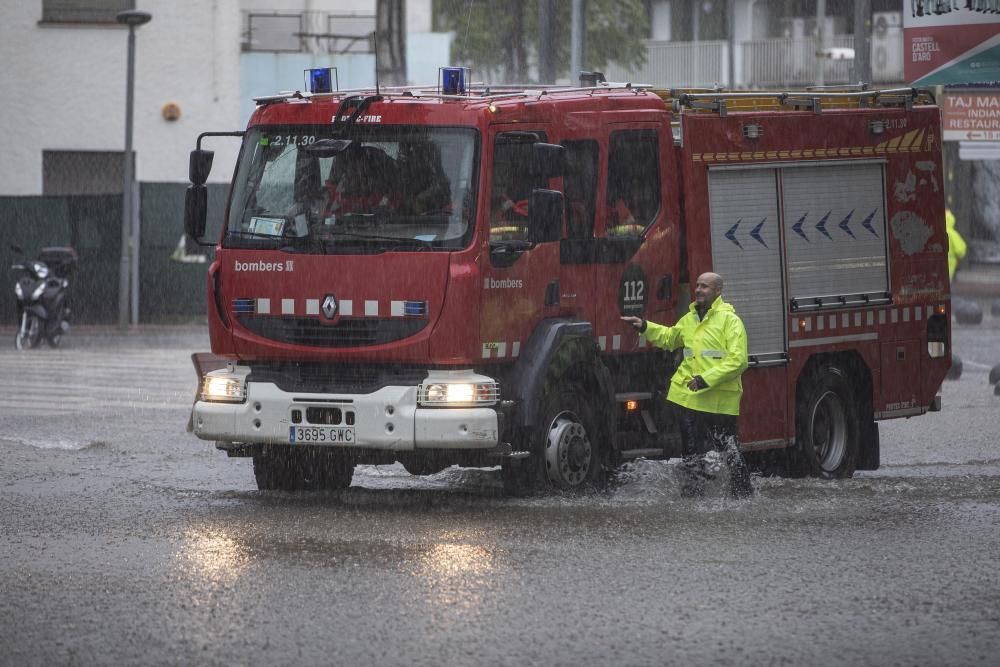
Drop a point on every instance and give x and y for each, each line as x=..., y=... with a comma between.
x=520, y=284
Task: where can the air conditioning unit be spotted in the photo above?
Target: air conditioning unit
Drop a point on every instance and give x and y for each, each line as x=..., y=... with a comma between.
x=801, y=27
x=887, y=46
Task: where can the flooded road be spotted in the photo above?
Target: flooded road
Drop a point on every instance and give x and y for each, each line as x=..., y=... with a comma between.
x=127, y=540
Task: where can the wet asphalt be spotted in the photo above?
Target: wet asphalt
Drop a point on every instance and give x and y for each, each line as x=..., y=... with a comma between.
x=125, y=540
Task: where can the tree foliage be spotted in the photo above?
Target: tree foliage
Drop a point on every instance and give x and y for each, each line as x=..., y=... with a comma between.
x=499, y=40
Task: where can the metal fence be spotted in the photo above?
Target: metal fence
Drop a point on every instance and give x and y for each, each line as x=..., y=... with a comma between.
x=677, y=64
x=769, y=63
x=764, y=63
x=169, y=290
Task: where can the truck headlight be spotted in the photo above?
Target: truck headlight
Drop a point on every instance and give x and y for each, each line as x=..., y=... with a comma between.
x=457, y=394
x=223, y=389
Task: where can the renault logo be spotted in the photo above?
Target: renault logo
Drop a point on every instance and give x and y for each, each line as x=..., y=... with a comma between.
x=330, y=306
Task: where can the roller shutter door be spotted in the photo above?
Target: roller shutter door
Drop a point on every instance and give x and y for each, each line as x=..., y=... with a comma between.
x=834, y=217
x=746, y=252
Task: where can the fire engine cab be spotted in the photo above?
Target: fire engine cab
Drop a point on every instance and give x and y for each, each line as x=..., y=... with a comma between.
x=436, y=275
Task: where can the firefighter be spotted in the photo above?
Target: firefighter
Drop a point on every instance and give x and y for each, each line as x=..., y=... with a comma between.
x=706, y=388
x=956, y=244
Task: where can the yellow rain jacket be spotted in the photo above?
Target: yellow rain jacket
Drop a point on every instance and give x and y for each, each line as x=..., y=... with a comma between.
x=956, y=244
x=714, y=348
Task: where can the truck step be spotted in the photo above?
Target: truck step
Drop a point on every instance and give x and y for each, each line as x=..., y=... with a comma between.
x=648, y=452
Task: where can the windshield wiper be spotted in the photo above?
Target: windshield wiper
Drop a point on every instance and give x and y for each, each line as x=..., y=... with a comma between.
x=409, y=242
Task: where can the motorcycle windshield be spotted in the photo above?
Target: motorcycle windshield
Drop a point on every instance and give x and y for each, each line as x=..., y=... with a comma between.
x=304, y=188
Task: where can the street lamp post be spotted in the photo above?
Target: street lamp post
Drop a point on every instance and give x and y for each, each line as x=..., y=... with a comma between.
x=132, y=18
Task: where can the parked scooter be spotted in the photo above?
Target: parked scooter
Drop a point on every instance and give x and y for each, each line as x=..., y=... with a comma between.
x=42, y=296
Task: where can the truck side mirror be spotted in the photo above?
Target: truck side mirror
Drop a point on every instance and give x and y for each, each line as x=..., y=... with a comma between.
x=195, y=210
x=199, y=166
x=547, y=160
x=545, y=215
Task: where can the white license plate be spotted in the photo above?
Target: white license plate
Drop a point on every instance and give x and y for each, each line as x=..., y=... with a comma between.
x=328, y=435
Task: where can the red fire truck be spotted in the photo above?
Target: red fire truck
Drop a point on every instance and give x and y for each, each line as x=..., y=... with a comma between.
x=436, y=276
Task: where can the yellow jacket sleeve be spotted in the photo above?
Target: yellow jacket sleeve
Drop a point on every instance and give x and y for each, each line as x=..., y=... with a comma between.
x=668, y=338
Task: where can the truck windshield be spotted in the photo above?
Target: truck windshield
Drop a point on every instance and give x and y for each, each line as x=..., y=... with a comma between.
x=389, y=187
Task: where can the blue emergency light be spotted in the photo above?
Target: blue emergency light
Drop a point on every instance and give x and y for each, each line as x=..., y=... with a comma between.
x=453, y=80
x=322, y=80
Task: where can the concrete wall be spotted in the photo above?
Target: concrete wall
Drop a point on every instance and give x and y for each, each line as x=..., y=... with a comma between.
x=64, y=88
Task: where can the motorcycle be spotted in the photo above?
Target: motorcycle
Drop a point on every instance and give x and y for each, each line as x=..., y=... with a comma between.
x=42, y=296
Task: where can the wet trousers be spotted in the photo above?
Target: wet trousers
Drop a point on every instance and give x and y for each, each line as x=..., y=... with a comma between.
x=705, y=437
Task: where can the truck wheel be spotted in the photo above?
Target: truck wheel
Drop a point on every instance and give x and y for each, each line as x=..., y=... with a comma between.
x=288, y=469
x=827, y=424
x=567, y=448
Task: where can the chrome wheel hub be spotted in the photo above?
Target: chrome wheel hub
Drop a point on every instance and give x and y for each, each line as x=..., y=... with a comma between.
x=568, y=451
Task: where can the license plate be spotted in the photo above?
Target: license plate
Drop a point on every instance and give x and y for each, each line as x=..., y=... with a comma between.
x=330, y=435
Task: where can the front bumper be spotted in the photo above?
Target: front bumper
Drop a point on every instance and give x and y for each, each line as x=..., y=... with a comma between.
x=386, y=419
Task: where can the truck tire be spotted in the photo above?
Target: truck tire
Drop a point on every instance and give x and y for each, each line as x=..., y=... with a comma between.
x=568, y=450
x=827, y=424
x=290, y=469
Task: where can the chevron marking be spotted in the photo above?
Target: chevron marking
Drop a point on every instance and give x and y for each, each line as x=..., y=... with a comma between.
x=844, y=224
x=821, y=226
x=731, y=234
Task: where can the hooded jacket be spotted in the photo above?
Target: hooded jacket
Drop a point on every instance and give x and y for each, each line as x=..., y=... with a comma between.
x=714, y=348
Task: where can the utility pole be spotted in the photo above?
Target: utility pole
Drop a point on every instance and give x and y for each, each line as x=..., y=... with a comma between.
x=390, y=27
x=862, y=41
x=546, y=41
x=130, y=223
x=731, y=38
x=577, y=40
x=820, y=46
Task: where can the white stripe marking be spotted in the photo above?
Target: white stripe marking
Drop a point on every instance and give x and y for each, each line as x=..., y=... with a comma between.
x=395, y=308
x=515, y=349
x=881, y=316
x=371, y=308
x=906, y=314
x=312, y=306
x=857, y=319
x=895, y=315
x=486, y=351
x=501, y=350
x=833, y=339
x=871, y=317
x=288, y=306
x=616, y=343
x=347, y=308
x=263, y=306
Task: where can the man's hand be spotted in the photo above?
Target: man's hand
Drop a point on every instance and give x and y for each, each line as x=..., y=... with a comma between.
x=637, y=323
x=697, y=383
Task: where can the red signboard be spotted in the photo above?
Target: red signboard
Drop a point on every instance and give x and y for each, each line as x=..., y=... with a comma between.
x=948, y=43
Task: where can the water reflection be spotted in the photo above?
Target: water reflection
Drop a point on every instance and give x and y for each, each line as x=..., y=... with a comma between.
x=213, y=555
x=451, y=560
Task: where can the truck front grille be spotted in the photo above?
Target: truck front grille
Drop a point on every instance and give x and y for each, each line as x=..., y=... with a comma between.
x=345, y=333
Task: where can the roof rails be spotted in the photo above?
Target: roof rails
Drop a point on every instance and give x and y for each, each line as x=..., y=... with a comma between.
x=476, y=92
x=816, y=100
